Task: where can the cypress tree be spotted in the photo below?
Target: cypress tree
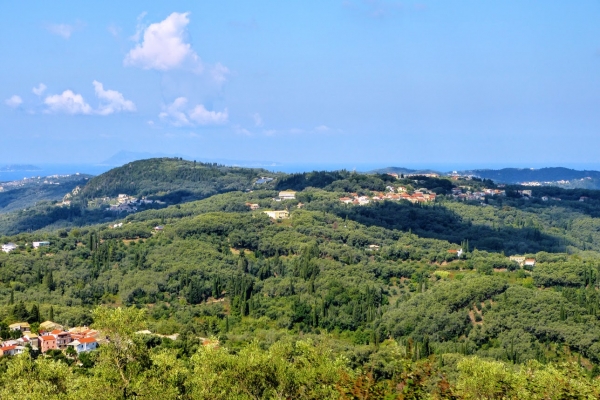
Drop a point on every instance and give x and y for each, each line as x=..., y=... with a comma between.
x=195, y=292
x=51, y=316
x=243, y=262
x=34, y=314
x=49, y=281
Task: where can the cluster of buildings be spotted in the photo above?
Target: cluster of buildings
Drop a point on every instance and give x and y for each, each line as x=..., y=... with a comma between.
x=412, y=175
x=8, y=247
x=129, y=204
x=461, y=193
x=51, y=336
x=419, y=196
x=523, y=261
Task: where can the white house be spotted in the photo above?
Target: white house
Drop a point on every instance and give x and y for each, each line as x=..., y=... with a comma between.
x=280, y=214
x=40, y=244
x=12, y=350
x=530, y=262
x=84, y=344
x=8, y=247
x=287, y=195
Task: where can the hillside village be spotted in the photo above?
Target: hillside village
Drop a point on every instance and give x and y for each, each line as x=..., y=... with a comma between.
x=49, y=336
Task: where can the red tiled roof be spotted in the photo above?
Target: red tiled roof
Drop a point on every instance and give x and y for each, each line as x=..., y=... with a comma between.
x=7, y=348
x=47, y=338
x=87, y=340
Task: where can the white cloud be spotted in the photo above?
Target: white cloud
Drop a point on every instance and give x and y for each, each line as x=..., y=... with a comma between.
x=164, y=46
x=240, y=130
x=113, y=101
x=114, y=30
x=322, y=128
x=13, y=101
x=68, y=103
x=64, y=30
x=140, y=27
x=204, y=117
x=173, y=114
x=178, y=114
x=219, y=73
x=39, y=90
x=257, y=119
x=72, y=103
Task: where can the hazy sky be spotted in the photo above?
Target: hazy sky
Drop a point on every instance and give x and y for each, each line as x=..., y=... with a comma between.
x=396, y=83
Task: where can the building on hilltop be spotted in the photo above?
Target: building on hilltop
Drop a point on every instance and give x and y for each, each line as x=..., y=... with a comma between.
x=20, y=326
x=8, y=247
x=529, y=262
x=287, y=195
x=280, y=214
x=47, y=342
x=518, y=259
x=83, y=345
x=253, y=206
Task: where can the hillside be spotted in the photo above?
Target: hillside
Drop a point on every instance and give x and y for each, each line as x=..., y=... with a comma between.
x=375, y=293
x=298, y=286
x=25, y=193
x=171, y=179
x=558, y=176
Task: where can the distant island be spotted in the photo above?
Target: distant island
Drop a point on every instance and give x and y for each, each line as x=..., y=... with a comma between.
x=19, y=167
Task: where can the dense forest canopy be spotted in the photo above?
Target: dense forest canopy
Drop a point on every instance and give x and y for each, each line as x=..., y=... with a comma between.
x=372, y=299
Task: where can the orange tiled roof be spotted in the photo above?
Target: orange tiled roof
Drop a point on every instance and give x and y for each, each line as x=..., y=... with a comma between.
x=87, y=340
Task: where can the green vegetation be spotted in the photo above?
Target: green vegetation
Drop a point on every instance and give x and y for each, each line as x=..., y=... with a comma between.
x=172, y=180
x=18, y=195
x=310, y=307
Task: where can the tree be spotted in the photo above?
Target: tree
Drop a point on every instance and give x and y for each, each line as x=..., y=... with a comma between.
x=195, y=292
x=34, y=314
x=49, y=281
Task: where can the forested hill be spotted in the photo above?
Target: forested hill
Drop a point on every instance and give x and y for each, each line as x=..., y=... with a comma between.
x=25, y=193
x=333, y=301
x=171, y=179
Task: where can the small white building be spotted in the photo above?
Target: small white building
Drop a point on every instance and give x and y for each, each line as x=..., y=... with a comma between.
x=281, y=214
x=84, y=344
x=530, y=262
x=40, y=244
x=287, y=195
x=8, y=247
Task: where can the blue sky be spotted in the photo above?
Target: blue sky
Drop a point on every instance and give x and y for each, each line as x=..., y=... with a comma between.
x=359, y=82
